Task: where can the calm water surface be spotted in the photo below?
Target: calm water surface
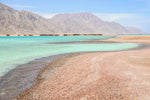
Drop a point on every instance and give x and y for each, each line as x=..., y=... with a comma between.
x=19, y=50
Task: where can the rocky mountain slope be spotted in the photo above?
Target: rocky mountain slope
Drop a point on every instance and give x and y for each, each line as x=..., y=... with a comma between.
x=22, y=22
x=85, y=23
x=134, y=30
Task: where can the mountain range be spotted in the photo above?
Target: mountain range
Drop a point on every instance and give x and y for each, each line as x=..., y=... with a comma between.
x=22, y=22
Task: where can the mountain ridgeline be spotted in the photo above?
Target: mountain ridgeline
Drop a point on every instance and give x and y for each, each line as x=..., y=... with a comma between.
x=22, y=22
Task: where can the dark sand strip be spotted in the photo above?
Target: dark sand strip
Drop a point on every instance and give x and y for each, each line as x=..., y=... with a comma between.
x=23, y=77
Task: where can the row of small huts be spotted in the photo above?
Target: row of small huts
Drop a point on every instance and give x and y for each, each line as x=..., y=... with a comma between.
x=58, y=35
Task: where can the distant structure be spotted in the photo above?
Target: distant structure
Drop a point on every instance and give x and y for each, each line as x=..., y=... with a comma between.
x=70, y=34
x=86, y=34
x=59, y=34
x=30, y=35
x=47, y=34
x=7, y=34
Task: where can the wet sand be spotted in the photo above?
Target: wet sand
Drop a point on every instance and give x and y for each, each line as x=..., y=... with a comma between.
x=122, y=75
x=23, y=77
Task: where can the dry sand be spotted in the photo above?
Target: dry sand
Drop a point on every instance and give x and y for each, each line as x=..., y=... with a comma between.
x=123, y=75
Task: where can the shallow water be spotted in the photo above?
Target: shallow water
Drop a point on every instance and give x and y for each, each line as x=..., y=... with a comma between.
x=19, y=50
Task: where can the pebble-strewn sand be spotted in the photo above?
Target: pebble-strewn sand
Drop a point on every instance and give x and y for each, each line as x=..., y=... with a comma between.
x=123, y=75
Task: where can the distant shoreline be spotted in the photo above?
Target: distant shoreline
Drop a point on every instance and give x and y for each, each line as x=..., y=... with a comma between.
x=56, y=34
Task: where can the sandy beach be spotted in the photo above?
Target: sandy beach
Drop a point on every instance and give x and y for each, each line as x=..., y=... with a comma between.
x=122, y=75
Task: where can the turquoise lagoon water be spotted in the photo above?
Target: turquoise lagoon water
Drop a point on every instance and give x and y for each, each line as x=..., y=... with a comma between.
x=20, y=50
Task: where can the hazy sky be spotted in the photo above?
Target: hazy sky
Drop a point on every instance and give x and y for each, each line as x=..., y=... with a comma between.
x=126, y=12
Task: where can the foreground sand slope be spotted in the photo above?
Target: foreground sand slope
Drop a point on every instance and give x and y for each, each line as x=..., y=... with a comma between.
x=123, y=75
x=98, y=76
